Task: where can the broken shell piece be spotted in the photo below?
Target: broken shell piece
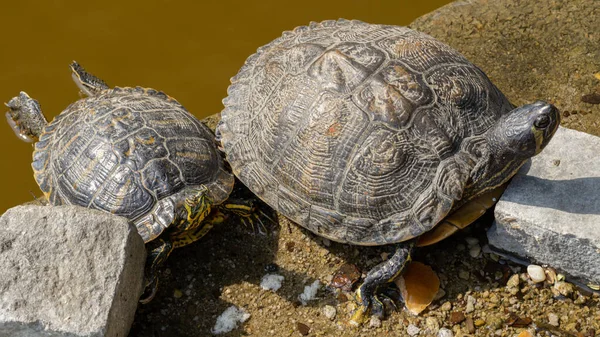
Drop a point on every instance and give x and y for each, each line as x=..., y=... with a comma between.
x=419, y=285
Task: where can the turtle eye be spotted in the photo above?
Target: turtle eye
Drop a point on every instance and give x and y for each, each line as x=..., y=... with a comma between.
x=541, y=121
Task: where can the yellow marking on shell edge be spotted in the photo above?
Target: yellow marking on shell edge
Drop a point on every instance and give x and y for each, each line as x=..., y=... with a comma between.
x=462, y=217
x=47, y=194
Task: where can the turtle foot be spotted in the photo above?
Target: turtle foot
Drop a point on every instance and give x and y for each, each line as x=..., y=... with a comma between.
x=149, y=292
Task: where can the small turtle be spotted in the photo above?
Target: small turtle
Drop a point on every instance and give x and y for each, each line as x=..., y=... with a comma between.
x=133, y=152
x=375, y=134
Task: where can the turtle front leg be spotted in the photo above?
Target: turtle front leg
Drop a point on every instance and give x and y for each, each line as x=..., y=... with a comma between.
x=382, y=273
x=188, y=226
x=25, y=117
x=249, y=211
x=158, y=252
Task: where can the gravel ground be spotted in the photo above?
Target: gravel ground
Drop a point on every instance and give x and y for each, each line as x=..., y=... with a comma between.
x=517, y=45
x=493, y=296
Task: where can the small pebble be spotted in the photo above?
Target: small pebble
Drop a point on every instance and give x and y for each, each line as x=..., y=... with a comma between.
x=456, y=317
x=375, y=322
x=445, y=332
x=470, y=304
x=513, y=281
x=470, y=325
x=474, y=251
x=413, y=330
x=553, y=319
x=177, y=293
x=329, y=312
x=536, y=273
x=564, y=288
x=303, y=328
x=471, y=241
x=326, y=242
x=479, y=322
x=525, y=333
x=345, y=277
x=550, y=275
x=463, y=274
x=432, y=324
x=447, y=306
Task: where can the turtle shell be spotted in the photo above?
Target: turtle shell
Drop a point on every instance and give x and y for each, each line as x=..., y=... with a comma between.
x=352, y=129
x=123, y=151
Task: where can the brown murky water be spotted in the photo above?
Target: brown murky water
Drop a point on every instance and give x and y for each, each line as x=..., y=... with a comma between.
x=189, y=49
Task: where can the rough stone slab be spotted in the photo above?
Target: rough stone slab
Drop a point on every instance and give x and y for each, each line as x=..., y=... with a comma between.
x=550, y=212
x=68, y=271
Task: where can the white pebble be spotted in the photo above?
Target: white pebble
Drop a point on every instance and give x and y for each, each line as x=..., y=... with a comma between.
x=271, y=282
x=475, y=250
x=230, y=319
x=413, y=330
x=375, y=322
x=445, y=332
x=470, y=304
x=553, y=319
x=536, y=273
x=310, y=292
x=463, y=274
x=329, y=312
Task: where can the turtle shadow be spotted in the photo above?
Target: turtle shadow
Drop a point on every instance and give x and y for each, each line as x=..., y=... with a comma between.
x=193, y=286
x=449, y=258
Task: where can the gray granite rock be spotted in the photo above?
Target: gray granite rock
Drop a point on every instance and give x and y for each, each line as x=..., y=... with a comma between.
x=68, y=271
x=550, y=212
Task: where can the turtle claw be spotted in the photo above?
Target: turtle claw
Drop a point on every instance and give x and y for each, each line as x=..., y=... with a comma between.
x=250, y=214
x=149, y=292
x=371, y=304
x=377, y=307
x=363, y=309
x=256, y=224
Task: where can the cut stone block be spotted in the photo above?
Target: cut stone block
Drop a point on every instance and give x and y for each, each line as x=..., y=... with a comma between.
x=68, y=271
x=550, y=212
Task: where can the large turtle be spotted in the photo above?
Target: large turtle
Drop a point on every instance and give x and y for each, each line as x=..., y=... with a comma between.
x=374, y=134
x=133, y=152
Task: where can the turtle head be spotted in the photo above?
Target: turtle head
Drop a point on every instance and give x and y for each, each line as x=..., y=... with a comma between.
x=517, y=136
x=25, y=117
x=524, y=131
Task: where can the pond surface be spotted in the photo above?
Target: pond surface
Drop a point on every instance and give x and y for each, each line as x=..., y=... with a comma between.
x=188, y=49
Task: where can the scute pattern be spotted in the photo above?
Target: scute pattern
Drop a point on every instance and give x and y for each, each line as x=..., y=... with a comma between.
x=354, y=130
x=123, y=151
